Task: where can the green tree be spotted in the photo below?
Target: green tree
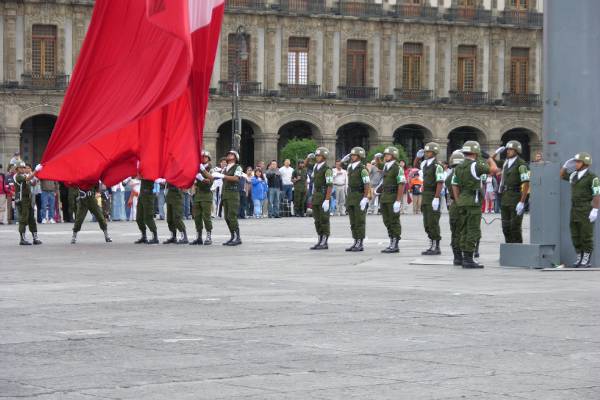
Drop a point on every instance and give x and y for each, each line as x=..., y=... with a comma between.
x=381, y=148
x=298, y=149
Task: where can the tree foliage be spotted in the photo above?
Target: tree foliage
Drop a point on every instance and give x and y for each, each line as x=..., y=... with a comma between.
x=298, y=149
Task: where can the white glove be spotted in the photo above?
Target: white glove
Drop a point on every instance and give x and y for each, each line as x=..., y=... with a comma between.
x=500, y=150
x=346, y=158
x=421, y=153
x=364, y=203
x=38, y=168
x=593, y=215
x=202, y=167
x=160, y=180
x=520, y=208
x=199, y=177
x=325, y=205
x=218, y=175
x=570, y=164
x=397, y=206
x=435, y=204
x=310, y=156
x=379, y=155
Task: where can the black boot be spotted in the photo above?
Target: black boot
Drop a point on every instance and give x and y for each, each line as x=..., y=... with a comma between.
x=36, y=241
x=208, y=240
x=468, y=261
x=316, y=246
x=172, y=239
x=577, y=261
x=476, y=253
x=458, y=258
x=358, y=246
x=237, y=240
x=586, y=260
x=107, y=238
x=154, y=239
x=351, y=248
x=227, y=243
x=143, y=239
x=434, y=250
x=23, y=241
x=74, y=238
x=198, y=240
x=184, y=238
x=393, y=247
x=323, y=244
x=429, y=251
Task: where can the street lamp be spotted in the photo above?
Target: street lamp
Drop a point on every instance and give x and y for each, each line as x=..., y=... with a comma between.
x=241, y=54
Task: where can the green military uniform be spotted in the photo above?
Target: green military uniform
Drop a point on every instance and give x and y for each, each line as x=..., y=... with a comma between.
x=231, y=201
x=72, y=196
x=456, y=159
x=358, y=177
x=322, y=177
x=86, y=201
x=25, y=208
x=145, y=211
x=300, y=177
x=433, y=175
x=513, y=176
x=202, y=207
x=174, y=201
x=393, y=177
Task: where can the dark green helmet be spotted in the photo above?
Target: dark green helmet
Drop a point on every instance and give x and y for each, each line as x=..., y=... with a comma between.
x=433, y=147
x=393, y=151
x=515, y=145
x=584, y=157
x=322, y=151
x=471, y=147
x=358, y=151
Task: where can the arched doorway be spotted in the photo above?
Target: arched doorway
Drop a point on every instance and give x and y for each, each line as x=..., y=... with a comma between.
x=224, y=143
x=295, y=130
x=35, y=134
x=522, y=135
x=352, y=135
x=412, y=138
x=458, y=136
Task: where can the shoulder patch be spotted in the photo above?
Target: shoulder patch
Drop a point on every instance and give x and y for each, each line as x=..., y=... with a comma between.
x=596, y=187
x=439, y=173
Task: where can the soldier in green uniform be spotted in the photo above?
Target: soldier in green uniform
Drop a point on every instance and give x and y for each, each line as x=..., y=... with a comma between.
x=514, y=187
x=456, y=158
x=145, y=212
x=299, y=177
x=231, y=196
x=203, y=199
x=466, y=185
x=174, y=201
x=23, y=179
x=585, y=201
x=392, y=190
x=357, y=199
x=433, y=183
x=86, y=201
x=322, y=178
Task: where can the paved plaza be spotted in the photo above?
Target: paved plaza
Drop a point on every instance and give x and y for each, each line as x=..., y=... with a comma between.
x=272, y=320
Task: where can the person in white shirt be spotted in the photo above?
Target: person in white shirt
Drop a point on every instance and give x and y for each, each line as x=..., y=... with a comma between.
x=286, y=181
x=118, y=202
x=340, y=184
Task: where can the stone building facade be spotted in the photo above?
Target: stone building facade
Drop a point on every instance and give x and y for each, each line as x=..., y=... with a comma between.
x=345, y=73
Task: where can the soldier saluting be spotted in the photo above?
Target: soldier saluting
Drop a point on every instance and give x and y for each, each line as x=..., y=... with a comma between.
x=23, y=180
x=203, y=198
x=322, y=178
x=86, y=201
x=357, y=199
x=585, y=201
x=392, y=190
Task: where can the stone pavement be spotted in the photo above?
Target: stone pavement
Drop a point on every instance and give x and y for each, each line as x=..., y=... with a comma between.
x=273, y=320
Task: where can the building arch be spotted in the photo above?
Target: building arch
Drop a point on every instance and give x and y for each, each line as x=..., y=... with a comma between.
x=303, y=117
x=35, y=135
x=354, y=134
x=225, y=143
x=526, y=137
x=296, y=129
x=42, y=109
x=460, y=134
x=358, y=118
x=412, y=137
x=257, y=122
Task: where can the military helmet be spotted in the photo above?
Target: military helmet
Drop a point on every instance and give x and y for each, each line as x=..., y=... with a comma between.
x=393, y=151
x=471, y=146
x=433, y=147
x=20, y=164
x=322, y=151
x=456, y=158
x=358, y=151
x=515, y=145
x=235, y=153
x=206, y=154
x=584, y=157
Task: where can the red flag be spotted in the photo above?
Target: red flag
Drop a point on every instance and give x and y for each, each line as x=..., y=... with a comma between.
x=139, y=93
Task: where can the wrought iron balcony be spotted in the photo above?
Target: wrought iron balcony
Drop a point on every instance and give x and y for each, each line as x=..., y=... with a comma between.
x=246, y=88
x=244, y=4
x=360, y=8
x=301, y=91
x=522, y=18
x=414, y=11
x=358, y=92
x=468, y=98
x=44, y=82
x=302, y=6
x=414, y=95
x=474, y=15
x=521, y=100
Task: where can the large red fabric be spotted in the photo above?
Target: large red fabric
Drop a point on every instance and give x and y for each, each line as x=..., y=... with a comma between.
x=138, y=97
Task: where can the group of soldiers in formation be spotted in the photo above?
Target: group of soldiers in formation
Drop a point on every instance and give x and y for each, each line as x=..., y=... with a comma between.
x=468, y=168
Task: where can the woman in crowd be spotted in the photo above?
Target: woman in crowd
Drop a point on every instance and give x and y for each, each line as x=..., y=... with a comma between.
x=259, y=191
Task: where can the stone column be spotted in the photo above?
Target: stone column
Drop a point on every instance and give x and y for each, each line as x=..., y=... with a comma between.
x=270, y=58
x=209, y=143
x=265, y=147
x=328, y=141
x=10, y=142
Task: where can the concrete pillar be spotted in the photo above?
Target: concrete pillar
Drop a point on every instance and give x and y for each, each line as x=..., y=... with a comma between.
x=68, y=27
x=216, y=72
x=10, y=142
x=20, y=47
x=376, y=60
x=270, y=58
x=2, y=48
x=393, y=43
x=265, y=147
x=278, y=40
x=319, y=54
x=260, y=55
x=336, y=61
x=209, y=143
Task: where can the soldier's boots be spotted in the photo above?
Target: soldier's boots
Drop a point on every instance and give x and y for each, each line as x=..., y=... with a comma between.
x=74, y=238
x=458, y=257
x=434, y=250
x=154, y=239
x=172, y=239
x=476, y=253
x=393, y=247
x=586, y=260
x=198, y=241
x=469, y=262
x=142, y=240
x=36, y=241
x=107, y=238
x=578, y=260
x=184, y=238
x=315, y=247
x=237, y=240
x=429, y=250
x=227, y=243
x=323, y=243
x=208, y=240
x=23, y=241
x=351, y=248
x=359, y=246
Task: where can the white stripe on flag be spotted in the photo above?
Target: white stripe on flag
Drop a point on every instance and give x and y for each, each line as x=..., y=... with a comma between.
x=201, y=12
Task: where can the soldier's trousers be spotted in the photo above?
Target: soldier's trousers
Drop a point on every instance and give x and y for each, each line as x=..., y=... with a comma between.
x=320, y=216
x=299, y=202
x=145, y=212
x=72, y=195
x=83, y=206
x=454, y=229
x=431, y=218
x=358, y=220
x=26, y=216
x=201, y=211
x=391, y=220
x=231, y=207
x=511, y=223
x=469, y=226
x=582, y=230
x=175, y=214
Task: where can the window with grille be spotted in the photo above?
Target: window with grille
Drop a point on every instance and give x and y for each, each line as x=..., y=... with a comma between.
x=519, y=70
x=412, y=60
x=467, y=61
x=43, y=54
x=356, y=63
x=466, y=3
x=519, y=4
x=233, y=43
x=298, y=61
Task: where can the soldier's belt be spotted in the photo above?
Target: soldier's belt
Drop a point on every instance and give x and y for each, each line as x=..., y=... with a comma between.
x=512, y=189
x=84, y=194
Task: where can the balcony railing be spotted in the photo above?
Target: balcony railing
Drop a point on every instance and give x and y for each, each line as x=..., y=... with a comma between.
x=246, y=88
x=302, y=6
x=468, y=98
x=522, y=18
x=360, y=8
x=412, y=11
x=476, y=15
x=414, y=95
x=245, y=4
x=46, y=82
x=522, y=100
x=357, y=92
x=301, y=91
